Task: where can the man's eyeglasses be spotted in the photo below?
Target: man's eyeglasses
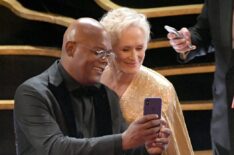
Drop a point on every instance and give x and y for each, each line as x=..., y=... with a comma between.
x=99, y=53
x=103, y=53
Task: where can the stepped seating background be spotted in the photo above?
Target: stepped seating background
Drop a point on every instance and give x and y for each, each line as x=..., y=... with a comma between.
x=45, y=34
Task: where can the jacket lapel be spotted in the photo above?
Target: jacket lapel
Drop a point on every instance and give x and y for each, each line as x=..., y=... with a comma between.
x=62, y=96
x=57, y=87
x=118, y=122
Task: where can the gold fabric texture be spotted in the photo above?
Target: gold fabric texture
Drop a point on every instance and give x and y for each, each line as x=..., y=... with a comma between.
x=149, y=83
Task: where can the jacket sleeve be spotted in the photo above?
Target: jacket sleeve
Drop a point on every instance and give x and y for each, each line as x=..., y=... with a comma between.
x=200, y=35
x=33, y=119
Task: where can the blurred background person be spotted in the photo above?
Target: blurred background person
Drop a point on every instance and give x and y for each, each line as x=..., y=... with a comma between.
x=213, y=32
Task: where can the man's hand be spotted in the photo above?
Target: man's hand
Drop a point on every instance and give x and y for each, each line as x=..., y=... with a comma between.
x=140, y=131
x=181, y=45
x=160, y=143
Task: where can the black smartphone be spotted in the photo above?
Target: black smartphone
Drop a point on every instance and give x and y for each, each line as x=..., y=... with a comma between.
x=153, y=106
x=173, y=30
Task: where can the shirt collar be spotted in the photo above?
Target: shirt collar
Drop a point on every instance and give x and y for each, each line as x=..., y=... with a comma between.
x=70, y=83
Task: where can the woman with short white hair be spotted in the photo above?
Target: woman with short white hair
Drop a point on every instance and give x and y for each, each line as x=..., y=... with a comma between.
x=133, y=82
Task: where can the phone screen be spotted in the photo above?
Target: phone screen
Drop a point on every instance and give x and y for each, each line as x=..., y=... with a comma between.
x=153, y=106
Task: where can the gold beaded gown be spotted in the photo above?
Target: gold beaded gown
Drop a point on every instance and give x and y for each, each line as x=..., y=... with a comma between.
x=149, y=83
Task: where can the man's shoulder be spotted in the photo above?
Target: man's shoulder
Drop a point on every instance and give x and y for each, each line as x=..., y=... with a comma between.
x=41, y=80
x=36, y=83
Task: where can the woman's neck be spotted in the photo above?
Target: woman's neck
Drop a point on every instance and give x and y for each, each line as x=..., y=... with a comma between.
x=119, y=81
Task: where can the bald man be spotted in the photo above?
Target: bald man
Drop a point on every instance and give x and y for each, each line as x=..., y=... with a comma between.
x=66, y=111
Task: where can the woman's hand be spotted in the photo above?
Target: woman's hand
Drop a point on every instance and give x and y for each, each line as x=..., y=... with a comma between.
x=160, y=143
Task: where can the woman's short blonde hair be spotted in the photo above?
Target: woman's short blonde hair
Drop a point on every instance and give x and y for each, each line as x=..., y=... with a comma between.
x=115, y=21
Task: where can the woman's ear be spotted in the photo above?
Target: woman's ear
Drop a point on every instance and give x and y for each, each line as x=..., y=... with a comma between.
x=70, y=48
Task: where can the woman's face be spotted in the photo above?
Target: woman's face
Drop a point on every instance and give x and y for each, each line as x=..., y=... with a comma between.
x=130, y=50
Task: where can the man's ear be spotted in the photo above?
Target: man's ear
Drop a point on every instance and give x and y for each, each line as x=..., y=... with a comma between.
x=70, y=48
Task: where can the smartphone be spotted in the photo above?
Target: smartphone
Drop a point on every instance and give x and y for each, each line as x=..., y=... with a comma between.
x=173, y=30
x=178, y=35
x=153, y=106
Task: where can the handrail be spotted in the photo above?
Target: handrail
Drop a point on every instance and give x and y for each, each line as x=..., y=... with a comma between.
x=188, y=69
x=203, y=152
x=186, y=105
x=52, y=52
x=152, y=45
x=6, y=104
x=158, y=44
x=196, y=105
x=21, y=11
x=29, y=50
x=157, y=11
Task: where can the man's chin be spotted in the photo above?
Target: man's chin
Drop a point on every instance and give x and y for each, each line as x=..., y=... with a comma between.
x=91, y=81
x=95, y=80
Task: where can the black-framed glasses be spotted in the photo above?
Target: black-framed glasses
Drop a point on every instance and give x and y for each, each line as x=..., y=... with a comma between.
x=100, y=53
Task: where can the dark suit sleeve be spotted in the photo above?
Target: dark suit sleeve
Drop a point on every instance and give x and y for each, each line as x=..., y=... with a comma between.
x=34, y=122
x=200, y=35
